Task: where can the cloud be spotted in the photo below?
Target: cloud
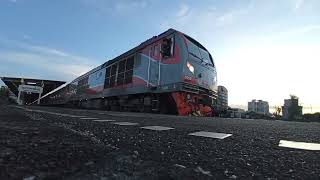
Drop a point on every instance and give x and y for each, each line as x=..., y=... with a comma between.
x=298, y=4
x=304, y=29
x=124, y=6
x=183, y=11
x=26, y=37
x=225, y=19
x=230, y=16
x=294, y=33
x=208, y=17
x=42, y=62
x=103, y=7
x=46, y=63
x=49, y=51
x=31, y=47
x=188, y=18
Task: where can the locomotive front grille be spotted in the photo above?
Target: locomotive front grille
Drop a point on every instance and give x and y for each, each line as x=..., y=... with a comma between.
x=190, y=88
x=198, y=90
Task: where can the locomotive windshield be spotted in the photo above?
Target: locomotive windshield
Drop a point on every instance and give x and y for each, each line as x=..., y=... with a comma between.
x=197, y=50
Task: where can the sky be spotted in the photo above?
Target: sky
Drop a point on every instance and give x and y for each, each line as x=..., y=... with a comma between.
x=263, y=49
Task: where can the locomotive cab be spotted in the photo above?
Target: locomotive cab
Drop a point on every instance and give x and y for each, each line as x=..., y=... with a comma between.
x=199, y=79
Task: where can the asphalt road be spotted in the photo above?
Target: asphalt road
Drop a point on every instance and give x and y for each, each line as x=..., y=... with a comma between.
x=87, y=144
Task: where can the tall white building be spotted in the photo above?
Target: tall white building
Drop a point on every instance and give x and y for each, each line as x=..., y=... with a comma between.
x=222, y=100
x=258, y=106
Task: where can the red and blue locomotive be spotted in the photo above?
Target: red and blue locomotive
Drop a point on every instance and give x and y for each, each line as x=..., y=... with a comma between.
x=169, y=73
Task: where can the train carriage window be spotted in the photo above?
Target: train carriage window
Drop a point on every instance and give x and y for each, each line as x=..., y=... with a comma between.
x=130, y=63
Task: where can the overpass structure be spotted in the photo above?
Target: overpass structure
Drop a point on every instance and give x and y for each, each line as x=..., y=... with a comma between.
x=29, y=90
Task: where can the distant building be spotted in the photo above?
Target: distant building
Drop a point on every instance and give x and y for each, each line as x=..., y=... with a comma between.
x=294, y=103
x=258, y=106
x=15, y=84
x=236, y=112
x=222, y=100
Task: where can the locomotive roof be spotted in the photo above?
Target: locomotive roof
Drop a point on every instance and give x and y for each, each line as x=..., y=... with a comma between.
x=140, y=46
x=131, y=51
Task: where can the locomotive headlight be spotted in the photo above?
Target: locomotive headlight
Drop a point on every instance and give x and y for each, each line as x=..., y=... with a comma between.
x=190, y=67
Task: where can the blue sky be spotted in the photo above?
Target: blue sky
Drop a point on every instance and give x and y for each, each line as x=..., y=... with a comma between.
x=263, y=49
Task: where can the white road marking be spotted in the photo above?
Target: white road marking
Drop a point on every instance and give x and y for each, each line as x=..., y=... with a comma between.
x=210, y=134
x=299, y=145
x=157, y=128
x=77, y=116
x=88, y=118
x=125, y=115
x=126, y=123
x=104, y=120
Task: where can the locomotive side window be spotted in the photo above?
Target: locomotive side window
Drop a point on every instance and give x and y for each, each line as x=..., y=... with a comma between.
x=120, y=78
x=122, y=66
x=121, y=71
x=167, y=47
x=114, y=68
x=107, y=80
x=128, y=76
x=130, y=62
x=129, y=70
x=112, y=81
x=108, y=71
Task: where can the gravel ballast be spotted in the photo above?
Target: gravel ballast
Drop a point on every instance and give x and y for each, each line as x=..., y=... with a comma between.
x=40, y=145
